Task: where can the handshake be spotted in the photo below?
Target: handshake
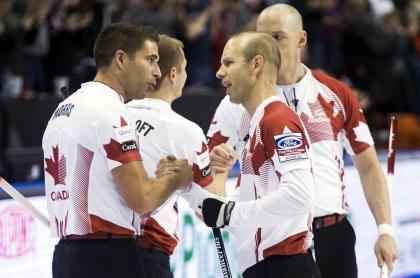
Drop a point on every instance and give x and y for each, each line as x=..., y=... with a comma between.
x=216, y=214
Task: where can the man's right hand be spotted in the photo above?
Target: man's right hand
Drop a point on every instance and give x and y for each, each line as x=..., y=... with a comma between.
x=179, y=168
x=216, y=213
x=185, y=174
x=166, y=166
x=222, y=157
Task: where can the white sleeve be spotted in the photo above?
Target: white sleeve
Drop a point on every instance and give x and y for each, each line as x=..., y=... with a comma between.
x=197, y=153
x=115, y=134
x=225, y=124
x=290, y=153
x=195, y=196
x=294, y=196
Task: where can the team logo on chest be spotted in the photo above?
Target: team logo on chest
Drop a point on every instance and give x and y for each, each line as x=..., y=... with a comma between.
x=319, y=116
x=290, y=146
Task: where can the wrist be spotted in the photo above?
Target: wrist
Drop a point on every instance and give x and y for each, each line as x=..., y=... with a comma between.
x=220, y=218
x=172, y=181
x=385, y=229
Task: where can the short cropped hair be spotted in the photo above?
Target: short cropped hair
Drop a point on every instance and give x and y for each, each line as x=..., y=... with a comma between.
x=261, y=44
x=121, y=36
x=170, y=55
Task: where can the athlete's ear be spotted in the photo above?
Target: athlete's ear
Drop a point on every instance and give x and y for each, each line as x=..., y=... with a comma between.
x=172, y=74
x=119, y=57
x=302, y=39
x=258, y=63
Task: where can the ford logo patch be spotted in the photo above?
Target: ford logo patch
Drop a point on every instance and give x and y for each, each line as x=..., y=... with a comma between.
x=288, y=142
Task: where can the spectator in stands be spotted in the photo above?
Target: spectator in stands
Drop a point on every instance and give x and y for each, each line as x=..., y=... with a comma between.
x=372, y=58
x=36, y=45
x=10, y=45
x=227, y=18
x=193, y=17
x=154, y=13
x=73, y=29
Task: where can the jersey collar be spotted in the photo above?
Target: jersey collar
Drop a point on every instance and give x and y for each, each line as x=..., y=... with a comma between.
x=301, y=89
x=155, y=103
x=301, y=84
x=259, y=113
x=109, y=91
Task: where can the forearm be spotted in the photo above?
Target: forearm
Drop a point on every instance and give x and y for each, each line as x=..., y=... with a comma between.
x=376, y=192
x=374, y=185
x=377, y=196
x=195, y=196
x=217, y=187
x=157, y=191
x=295, y=196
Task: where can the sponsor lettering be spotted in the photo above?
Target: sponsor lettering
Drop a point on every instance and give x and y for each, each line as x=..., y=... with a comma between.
x=290, y=146
x=206, y=171
x=220, y=254
x=128, y=146
x=228, y=211
x=289, y=141
x=59, y=195
x=124, y=133
x=143, y=128
x=64, y=110
x=318, y=120
x=319, y=117
x=203, y=159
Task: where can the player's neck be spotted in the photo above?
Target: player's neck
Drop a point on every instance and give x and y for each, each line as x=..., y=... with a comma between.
x=291, y=75
x=110, y=81
x=258, y=94
x=161, y=94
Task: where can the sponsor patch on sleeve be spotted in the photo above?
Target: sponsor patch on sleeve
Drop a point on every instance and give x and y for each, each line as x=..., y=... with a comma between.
x=203, y=159
x=290, y=146
x=206, y=171
x=129, y=146
x=124, y=133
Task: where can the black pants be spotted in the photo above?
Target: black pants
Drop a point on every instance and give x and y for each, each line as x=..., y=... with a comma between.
x=294, y=266
x=155, y=263
x=334, y=250
x=97, y=258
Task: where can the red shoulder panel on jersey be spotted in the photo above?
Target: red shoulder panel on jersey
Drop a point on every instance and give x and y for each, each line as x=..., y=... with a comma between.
x=277, y=116
x=354, y=114
x=335, y=85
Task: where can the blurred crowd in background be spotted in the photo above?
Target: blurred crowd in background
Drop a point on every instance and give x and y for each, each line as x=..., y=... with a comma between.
x=372, y=45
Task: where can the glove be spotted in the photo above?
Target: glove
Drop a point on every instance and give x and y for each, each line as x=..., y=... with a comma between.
x=216, y=214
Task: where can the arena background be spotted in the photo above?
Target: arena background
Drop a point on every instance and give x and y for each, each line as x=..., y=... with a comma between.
x=371, y=45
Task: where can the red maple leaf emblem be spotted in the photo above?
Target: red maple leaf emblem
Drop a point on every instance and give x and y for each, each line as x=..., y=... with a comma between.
x=200, y=177
x=114, y=149
x=259, y=157
x=325, y=127
x=216, y=139
x=56, y=167
x=122, y=122
x=203, y=148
